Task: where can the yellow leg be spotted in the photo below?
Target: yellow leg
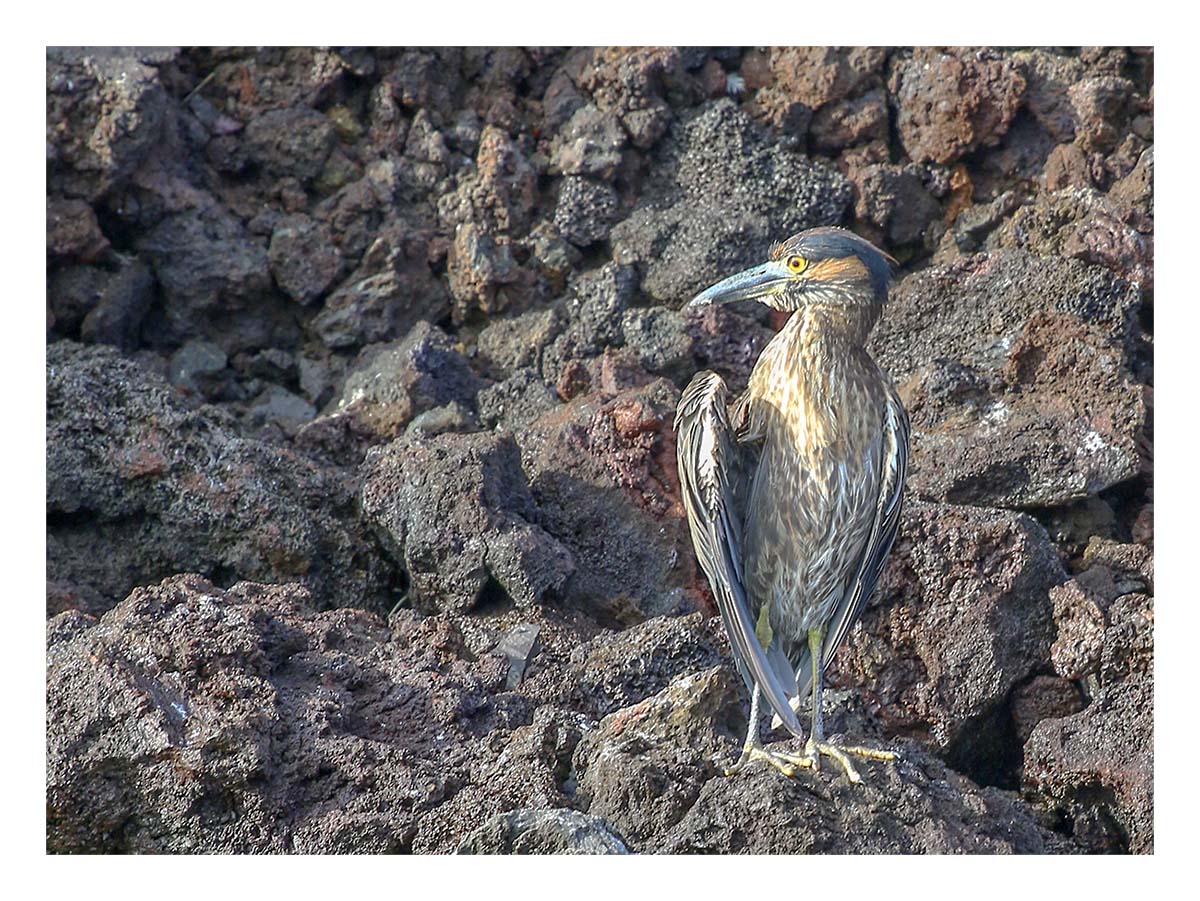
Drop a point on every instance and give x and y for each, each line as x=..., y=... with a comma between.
x=816, y=745
x=787, y=763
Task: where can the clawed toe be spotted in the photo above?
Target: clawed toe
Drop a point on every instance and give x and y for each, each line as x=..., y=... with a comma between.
x=789, y=764
x=814, y=751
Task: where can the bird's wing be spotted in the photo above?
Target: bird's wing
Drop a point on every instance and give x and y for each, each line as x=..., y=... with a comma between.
x=894, y=466
x=707, y=455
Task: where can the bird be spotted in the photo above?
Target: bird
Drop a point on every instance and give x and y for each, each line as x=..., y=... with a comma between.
x=793, y=490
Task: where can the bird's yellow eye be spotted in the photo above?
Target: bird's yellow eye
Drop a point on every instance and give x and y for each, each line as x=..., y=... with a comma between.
x=796, y=264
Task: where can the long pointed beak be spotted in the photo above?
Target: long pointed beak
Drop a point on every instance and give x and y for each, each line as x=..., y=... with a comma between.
x=752, y=284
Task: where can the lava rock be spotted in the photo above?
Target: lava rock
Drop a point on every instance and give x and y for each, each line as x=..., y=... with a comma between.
x=950, y=103
x=206, y=265
x=72, y=232
x=1105, y=628
x=195, y=363
x=280, y=407
x=506, y=346
x=895, y=199
x=1013, y=371
x=105, y=111
x=392, y=290
x=586, y=210
x=294, y=141
x=71, y=293
x=125, y=301
x=194, y=719
x=590, y=143
x=543, y=832
x=644, y=766
x=916, y=805
x=498, y=196
x=392, y=383
x=303, y=258
x=602, y=470
x=660, y=338
x=1097, y=766
x=137, y=488
x=720, y=196
x=515, y=403
x=944, y=642
x=456, y=513
x=478, y=267
x=1080, y=223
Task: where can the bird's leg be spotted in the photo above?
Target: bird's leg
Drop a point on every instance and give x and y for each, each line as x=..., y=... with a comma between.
x=752, y=750
x=816, y=745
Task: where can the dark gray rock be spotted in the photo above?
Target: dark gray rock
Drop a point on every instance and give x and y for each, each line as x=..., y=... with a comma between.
x=590, y=143
x=72, y=232
x=138, y=488
x=601, y=470
x=455, y=512
x=593, y=311
x=117, y=317
x=914, y=806
x=392, y=290
x=644, y=766
x=303, y=258
x=895, y=199
x=1013, y=369
x=451, y=417
x=515, y=403
x=71, y=293
x=391, y=384
x=945, y=641
x=721, y=194
x=1097, y=767
x=194, y=364
x=193, y=719
x=506, y=346
x=105, y=110
x=278, y=406
x=586, y=210
x=207, y=265
x=660, y=338
x=290, y=142
x=543, y=832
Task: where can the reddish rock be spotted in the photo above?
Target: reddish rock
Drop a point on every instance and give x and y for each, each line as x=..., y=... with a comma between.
x=950, y=103
x=602, y=470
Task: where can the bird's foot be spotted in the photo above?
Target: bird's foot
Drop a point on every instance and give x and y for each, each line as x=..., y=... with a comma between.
x=780, y=760
x=814, y=750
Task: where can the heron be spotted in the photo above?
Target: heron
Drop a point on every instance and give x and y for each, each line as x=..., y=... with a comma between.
x=793, y=491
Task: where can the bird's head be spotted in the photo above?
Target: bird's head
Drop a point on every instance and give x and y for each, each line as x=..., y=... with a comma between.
x=830, y=269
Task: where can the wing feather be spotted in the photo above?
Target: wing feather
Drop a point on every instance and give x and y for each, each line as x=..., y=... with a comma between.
x=707, y=456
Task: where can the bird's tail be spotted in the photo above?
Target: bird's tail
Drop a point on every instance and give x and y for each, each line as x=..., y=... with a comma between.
x=800, y=686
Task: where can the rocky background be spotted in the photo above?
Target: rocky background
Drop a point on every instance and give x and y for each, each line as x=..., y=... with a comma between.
x=363, y=526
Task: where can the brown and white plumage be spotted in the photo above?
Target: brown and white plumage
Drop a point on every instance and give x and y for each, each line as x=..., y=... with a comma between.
x=793, y=491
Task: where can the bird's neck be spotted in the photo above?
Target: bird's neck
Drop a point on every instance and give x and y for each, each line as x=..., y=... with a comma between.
x=806, y=371
x=818, y=342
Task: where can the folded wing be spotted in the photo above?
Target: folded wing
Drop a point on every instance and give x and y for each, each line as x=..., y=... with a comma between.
x=706, y=455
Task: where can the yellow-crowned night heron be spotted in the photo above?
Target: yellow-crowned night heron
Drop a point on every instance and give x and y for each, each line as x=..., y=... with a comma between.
x=793, y=491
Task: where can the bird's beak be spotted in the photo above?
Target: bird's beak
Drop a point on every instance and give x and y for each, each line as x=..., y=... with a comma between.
x=753, y=284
